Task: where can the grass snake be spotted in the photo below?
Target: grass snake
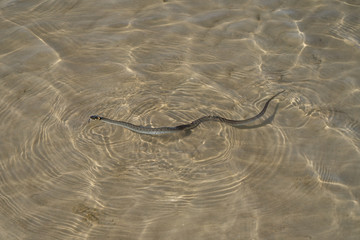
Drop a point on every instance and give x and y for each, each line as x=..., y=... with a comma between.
x=184, y=127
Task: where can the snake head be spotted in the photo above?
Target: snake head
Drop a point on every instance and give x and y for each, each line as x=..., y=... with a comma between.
x=95, y=117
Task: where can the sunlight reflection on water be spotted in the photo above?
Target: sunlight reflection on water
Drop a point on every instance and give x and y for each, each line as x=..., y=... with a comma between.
x=293, y=174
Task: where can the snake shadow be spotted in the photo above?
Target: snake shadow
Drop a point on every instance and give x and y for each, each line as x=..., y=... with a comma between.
x=267, y=121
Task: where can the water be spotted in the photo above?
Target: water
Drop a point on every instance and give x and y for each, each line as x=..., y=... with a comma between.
x=292, y=175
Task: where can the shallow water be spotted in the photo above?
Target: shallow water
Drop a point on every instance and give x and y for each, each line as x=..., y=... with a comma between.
x=294, y=174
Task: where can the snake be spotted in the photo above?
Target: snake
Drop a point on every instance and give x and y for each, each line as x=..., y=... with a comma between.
x=184, y=127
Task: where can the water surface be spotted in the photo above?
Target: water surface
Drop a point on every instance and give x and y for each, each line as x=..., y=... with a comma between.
x=294, y=174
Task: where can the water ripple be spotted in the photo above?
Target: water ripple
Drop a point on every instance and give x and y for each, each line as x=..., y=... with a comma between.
x=291, y=174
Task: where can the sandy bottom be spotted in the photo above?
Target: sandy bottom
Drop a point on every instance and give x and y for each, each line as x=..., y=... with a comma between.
x=293, y=174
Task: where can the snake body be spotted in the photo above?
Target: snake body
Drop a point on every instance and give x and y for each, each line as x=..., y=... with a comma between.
x=184, y=127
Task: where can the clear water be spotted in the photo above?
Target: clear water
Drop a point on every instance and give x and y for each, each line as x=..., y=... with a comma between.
x=295, y=174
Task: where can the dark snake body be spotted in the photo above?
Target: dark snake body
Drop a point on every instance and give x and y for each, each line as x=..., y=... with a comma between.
x=184, y=127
